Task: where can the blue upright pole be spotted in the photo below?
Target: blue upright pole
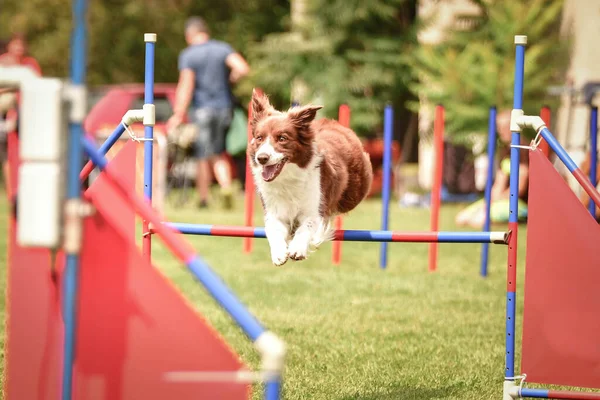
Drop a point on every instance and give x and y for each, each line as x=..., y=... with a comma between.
x=273, y=390
x=520, y=42
x=388, y=122
x=150, y=39
x=593, y=153
x=78, y=66
x=488, y=186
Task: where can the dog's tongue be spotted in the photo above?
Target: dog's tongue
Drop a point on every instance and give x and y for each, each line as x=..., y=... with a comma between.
x=269, y=171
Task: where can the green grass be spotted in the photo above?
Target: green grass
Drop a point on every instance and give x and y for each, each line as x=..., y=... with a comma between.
x=354, y=331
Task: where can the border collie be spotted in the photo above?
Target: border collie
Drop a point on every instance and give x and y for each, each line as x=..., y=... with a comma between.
x=306, y=171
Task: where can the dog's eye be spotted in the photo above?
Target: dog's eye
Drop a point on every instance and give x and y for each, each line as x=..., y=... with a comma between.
x=282, y=138
x=259, y=138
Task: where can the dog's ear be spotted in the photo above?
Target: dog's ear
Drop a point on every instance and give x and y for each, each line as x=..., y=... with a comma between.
x=302, y=116
x=260, y=106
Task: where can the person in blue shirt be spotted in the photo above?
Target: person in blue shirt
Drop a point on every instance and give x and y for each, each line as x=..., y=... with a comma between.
x=207, y=70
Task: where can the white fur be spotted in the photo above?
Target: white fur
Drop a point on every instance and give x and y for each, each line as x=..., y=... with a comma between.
x=294, y=195
x=268, y=149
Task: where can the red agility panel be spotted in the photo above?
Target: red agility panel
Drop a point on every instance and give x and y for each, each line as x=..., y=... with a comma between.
x=34, y=329
x=34, y=325
x=134, y=326
x=562, y=284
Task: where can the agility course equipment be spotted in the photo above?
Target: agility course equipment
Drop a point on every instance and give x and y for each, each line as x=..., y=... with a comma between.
x=561, y=290
x=133, y=336
x=127, y=333
x=545, y=114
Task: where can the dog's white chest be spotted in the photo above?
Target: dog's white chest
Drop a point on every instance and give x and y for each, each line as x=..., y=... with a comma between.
x=296, y=191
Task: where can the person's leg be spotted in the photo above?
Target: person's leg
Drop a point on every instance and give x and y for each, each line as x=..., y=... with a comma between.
x=222, y=168
x=222, y=171
x=473, y=211
x=203, y=181
x=203, y=175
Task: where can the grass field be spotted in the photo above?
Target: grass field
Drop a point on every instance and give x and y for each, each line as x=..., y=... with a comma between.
x=355, y=331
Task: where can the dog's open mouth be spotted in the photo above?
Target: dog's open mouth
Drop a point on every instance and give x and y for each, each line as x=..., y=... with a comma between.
x=271, y=172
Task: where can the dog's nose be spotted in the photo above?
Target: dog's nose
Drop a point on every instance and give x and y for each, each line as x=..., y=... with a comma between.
x=262, y=158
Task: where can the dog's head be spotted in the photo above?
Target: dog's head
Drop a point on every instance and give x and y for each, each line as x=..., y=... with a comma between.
x=280, y=137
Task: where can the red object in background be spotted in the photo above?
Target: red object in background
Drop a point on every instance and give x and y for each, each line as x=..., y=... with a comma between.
x=116, y=100
x=132, y=325
x=438, y=145
x=249, y=190
x=562, y=296
x=545, y=114
x=375, y=149
x=336, y=249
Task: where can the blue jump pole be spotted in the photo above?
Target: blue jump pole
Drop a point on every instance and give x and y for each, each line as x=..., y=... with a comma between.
x=70, y=284
x=593, y=154
x=112, y=139
x=150, y=40
x=509, y=371
x=388, y=123
x=273, y=389
x=488, y=186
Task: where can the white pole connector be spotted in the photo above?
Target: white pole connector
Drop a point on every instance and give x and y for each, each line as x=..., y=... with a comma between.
x=511, y=390
x=499, y=237
x=132, y=116
x=77, y=95
x=150, y=37
x=520, y=39
x=515, y=115
x=149, y=114
x=532, y=121
x=272, y=350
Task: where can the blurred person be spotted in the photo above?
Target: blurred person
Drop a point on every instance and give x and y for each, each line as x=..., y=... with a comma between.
x=207, y=70
x=13, y=53
x=17, y=54
x=474, y=215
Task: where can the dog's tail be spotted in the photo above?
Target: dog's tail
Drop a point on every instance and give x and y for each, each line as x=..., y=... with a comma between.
x=324, y=233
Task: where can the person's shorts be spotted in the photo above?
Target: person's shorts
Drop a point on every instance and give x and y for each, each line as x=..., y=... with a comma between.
x=500, y=210
x=212, y=127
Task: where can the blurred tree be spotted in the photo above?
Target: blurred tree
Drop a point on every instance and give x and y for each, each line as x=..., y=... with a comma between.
x=116, y=27
x=473, y=67
x=344, y=51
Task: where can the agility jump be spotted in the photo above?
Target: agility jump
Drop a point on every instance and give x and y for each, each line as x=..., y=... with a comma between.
x=126, y=333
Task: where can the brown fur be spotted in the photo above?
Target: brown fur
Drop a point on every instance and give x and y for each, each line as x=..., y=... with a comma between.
x=346, y=171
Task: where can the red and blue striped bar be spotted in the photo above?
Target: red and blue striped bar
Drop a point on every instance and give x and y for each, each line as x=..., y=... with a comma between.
x=556, y=394
x=571, y=166
x=351, y=235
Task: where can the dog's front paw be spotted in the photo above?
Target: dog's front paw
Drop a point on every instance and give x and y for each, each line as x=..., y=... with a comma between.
x=279, y=255
x=298, y=249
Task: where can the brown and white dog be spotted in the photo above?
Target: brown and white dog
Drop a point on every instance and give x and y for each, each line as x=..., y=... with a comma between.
x=306, y=171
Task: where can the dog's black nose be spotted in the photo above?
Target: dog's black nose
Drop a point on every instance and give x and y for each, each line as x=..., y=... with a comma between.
x=262, y=158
